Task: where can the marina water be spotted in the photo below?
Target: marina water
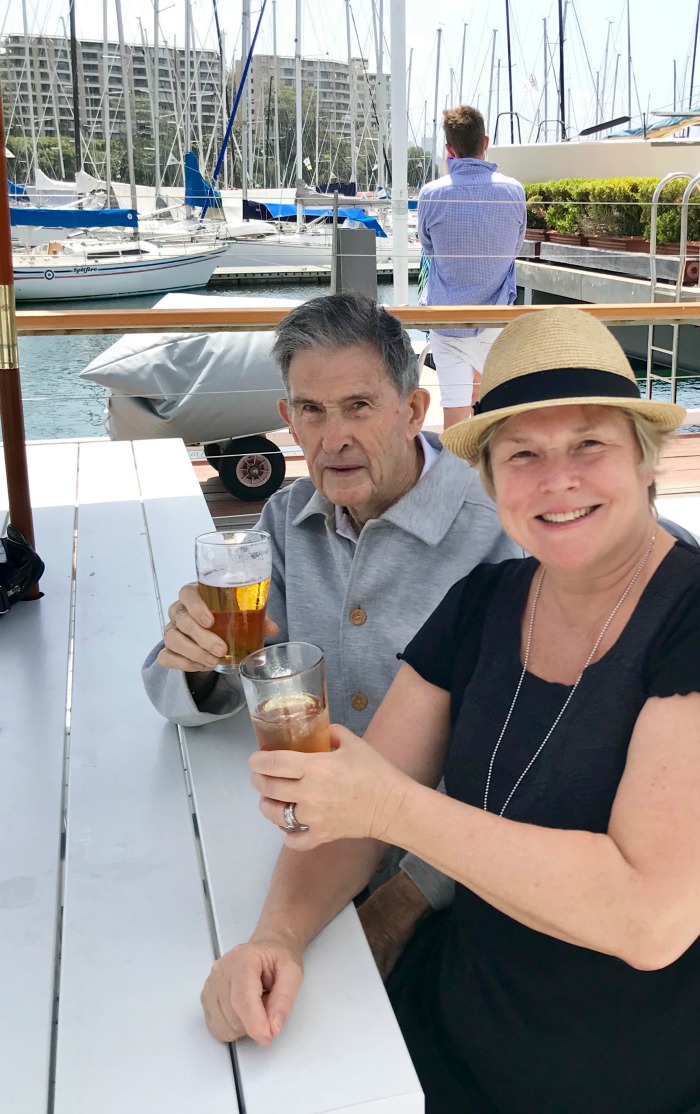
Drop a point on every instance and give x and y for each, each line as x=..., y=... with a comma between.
x=59, y=404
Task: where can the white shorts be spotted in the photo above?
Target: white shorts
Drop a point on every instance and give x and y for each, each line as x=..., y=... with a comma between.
x=456, y=359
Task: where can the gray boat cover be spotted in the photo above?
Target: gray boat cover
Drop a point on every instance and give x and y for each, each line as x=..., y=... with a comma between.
x=197, y=386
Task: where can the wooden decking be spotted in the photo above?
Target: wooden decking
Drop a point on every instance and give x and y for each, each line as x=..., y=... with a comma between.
x=680, y=474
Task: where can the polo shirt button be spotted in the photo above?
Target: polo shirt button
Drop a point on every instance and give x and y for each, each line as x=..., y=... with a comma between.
x=359, y=701
x=358, y=616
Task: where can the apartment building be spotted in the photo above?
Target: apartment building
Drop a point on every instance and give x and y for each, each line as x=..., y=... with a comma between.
x=47, y=84
x=330, y=82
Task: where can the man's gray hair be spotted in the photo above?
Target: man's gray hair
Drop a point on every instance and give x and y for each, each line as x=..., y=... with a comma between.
x=346, y=321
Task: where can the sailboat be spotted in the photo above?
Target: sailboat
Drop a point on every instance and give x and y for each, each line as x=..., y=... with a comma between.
x=54, y=269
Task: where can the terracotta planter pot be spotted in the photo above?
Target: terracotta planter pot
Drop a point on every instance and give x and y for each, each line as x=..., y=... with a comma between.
x=537, y=234
x=619, y=243
x=570, y=239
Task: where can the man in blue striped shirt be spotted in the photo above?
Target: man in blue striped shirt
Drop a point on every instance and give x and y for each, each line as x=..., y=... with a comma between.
x=471, y=224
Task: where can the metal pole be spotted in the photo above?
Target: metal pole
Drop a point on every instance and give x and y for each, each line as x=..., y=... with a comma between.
x=488, y=106
x=186, y=122
x=629, y=62
x=614, y=92
x=129, y=135
x=353, y=99
x=245, y=103
x=297, y=100
x=695, y=51
x=545, y=70
x=510, y=75
x=276, y=88
x=156, y=100
x=399, y=151
x=562, y=91
x=461, y=62
x=334, y=246
x=11, y=415
x=604, y=78
x=76, y=88
x=381, y=102
x=435, y=108
x=106, y=124
x=30, y=87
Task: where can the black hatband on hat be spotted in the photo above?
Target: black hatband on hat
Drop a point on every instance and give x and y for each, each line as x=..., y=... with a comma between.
x=556, y=383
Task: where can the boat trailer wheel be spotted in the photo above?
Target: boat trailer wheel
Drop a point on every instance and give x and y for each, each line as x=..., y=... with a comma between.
x=251, y=468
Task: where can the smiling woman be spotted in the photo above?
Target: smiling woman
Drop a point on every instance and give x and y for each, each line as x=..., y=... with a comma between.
x=560, y=695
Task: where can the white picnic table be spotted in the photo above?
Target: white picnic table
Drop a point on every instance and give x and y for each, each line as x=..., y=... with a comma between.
x=132, y=851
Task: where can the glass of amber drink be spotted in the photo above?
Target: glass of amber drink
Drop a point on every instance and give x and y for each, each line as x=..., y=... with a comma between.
x=285, y=687
x=233, y=572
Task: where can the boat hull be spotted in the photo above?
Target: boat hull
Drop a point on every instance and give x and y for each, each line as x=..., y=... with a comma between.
x=156, y=275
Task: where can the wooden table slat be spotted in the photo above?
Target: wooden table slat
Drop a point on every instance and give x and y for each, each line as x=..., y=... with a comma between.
x=34, y=637
x=341, y=1044
x=136, y=941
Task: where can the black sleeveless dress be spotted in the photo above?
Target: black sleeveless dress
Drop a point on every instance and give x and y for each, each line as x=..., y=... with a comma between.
x=499, y=1018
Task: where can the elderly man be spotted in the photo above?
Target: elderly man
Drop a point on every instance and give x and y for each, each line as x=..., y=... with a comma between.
x=363, y=550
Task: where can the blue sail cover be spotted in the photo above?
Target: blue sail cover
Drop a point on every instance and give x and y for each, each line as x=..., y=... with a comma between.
x=15, y=190
x=197, y=189
x=270, y=210
x=74, y=218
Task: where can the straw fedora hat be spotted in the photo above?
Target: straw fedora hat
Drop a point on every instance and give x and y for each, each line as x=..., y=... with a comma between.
x=555, y=357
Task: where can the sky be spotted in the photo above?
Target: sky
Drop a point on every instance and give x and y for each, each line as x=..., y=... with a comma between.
x=595, y=44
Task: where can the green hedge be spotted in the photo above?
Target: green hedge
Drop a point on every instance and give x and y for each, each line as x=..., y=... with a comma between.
x=611, y=207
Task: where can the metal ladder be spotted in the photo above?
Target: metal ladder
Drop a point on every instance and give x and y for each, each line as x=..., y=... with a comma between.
x=654, y=284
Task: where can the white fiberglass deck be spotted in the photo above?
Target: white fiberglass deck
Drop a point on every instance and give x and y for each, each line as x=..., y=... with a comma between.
x=129, y=846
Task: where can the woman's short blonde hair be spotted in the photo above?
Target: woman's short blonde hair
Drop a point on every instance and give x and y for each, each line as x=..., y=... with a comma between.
x=651, y=440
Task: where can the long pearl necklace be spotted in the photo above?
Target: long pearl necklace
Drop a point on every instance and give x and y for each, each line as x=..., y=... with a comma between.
x=569, y=698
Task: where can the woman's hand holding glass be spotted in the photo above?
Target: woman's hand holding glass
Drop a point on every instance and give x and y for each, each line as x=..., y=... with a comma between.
x=350, y=793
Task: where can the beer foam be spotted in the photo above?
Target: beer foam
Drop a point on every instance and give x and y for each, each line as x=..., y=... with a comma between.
x=230, y=578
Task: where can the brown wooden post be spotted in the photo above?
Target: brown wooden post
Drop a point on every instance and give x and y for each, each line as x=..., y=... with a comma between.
x=11, y=413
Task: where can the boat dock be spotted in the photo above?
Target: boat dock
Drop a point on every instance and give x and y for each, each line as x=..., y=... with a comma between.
x=275, y=276
x=679, y=476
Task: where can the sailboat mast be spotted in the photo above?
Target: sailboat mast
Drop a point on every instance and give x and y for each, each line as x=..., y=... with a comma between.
x=562, y=93
x=493, y=61
x=353, y=99
x=297, y=102
x=629, y=62
x=381, y=112
x=604, y=78
x=156, y=100
x=399, y=152
x=129, y=136
x=435, y=106
x=186, y=122
x=196, y=62
x=545, y=69
x=106, y=120
x=695, y=52
x=245, y=103
x=461, y=62
x=276, y=91
x=76, y=90
x=510, y=75
x=30, y=90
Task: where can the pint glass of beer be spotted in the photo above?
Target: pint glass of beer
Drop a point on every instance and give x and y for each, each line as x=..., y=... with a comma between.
x=233, y=572
x=285, y=687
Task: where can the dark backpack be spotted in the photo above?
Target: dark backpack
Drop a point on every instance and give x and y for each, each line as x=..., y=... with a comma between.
x=20, y=569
